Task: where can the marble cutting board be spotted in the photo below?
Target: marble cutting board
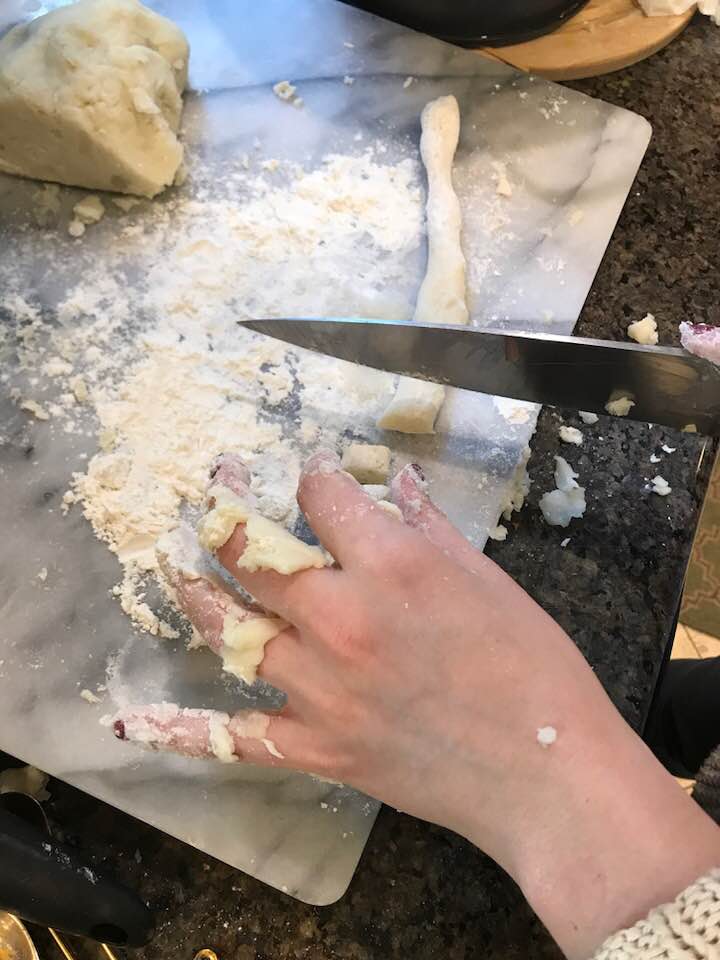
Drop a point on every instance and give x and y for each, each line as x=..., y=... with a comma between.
x=572, y=162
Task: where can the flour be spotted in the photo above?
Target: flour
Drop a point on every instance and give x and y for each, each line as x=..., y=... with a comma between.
x=157, y=370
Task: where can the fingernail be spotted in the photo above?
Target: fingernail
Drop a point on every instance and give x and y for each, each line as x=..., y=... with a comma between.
x=119, y=729
x=418, y=471
x=215, y=465
x=322, y=461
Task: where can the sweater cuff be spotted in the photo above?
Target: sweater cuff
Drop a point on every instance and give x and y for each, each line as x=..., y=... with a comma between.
x=687, y=928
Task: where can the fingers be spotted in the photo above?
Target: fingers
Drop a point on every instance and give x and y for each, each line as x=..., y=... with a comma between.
x=409, y=491
x=346, y=520
x=201, y=595
x=235, y=631
x=250, y=548
x=249, y=735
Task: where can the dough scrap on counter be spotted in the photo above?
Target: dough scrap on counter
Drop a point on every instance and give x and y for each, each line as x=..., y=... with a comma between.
x=367, y=462
x=567, y=501
x=269, y=545
x=619, y=406
x=442, y=295
x=644, y=331
x=91, y=96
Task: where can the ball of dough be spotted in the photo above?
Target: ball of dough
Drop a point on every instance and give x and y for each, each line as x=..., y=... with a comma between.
x=91, y=95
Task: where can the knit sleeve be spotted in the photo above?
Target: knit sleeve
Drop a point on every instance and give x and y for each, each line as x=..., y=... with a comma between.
x=687, y=929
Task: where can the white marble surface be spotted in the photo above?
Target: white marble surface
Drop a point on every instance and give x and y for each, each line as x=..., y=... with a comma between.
x=532, y=258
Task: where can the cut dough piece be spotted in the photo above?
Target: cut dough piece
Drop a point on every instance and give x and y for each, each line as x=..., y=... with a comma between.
x=378, y=491
x=91, y=95
x=414, y=408
x=367, y=462
x=442, y=296
x=269, y=546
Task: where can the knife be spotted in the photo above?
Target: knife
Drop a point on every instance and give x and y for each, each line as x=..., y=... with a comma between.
x=667, y=385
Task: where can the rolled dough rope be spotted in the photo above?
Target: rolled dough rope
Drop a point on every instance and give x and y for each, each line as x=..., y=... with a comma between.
x=442, y=296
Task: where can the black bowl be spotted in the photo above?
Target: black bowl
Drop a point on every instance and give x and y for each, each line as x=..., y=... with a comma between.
x=476, y=23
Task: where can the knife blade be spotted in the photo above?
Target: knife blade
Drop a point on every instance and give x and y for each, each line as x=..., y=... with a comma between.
x=667, y=385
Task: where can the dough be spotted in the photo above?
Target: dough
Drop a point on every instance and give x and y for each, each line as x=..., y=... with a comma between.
x=442, y=296
x=91, y=95
x=244, y=644
x=644, y=331
x=414, y=408
x=567, y=501
x=367, y=462
x=269, y=546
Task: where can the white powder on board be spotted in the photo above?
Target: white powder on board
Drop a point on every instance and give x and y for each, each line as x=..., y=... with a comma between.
x=162, y=367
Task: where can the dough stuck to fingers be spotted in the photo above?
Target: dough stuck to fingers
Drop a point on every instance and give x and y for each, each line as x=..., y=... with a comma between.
x=194, y=733
x=269, y=545
x=234, y=631
x=442, y=295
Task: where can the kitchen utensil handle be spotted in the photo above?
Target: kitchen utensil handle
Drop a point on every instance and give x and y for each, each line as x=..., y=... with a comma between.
x=48, y=884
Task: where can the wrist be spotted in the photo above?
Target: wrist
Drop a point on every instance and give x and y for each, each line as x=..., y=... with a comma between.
x=612, y=838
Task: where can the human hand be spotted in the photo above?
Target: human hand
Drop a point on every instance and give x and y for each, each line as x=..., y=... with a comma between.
x=420, y=673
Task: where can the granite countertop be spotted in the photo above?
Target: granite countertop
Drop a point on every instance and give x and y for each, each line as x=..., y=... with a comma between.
x=419, y=890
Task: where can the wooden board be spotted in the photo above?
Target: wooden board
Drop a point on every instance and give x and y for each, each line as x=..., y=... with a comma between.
x=605, y=35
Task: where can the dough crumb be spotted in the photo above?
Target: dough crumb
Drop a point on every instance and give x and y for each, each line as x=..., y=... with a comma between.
x=42, y=574
x=571, y=435
x=286, y=91
x=367, y=462
x=348, y=81
x=689, y=428
x=668, y=449
x=575, y=216
x=76, y=228
x=620, y=406
x=654, y=458
x=499, y=532
x=89, y=209
x=503, y=187
x=660, y=486
x=408, y=82
x=644, y=331
x=546, y=736
x=89, y=696
x=36, y=409
x=588, y=418
x=565, y=542
x=567, y=501
x=272, y=749
x=126, y=203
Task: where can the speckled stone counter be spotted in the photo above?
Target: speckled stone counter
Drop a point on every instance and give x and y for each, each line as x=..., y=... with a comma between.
x=419, y=891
